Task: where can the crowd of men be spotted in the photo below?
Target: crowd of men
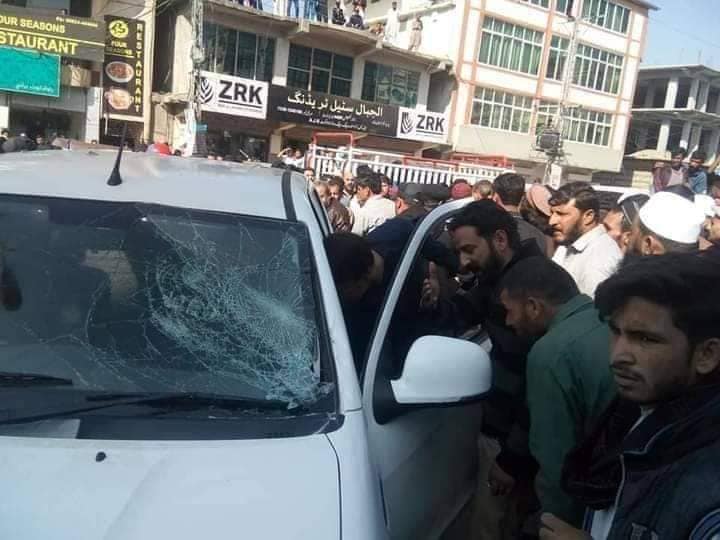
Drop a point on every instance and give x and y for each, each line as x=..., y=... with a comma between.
x=604, y=415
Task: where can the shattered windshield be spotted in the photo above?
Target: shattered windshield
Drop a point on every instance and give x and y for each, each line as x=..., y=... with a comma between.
x=122, y=297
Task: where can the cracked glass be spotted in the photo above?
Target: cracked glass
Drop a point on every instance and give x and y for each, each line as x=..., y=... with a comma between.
x=122, y=297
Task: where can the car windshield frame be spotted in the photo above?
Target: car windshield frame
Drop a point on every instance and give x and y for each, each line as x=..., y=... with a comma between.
x=328, y=401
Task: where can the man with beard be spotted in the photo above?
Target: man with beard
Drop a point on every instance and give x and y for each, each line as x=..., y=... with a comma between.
x=618, y=222
x=667, y=223
x=586, y=251
x=675, y=174
x=488, y=244
x=649, y=469
x=697, y=177
x=569, y=384
x=339, y=215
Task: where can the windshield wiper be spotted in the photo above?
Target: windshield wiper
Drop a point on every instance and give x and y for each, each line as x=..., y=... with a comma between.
x=169, y=402
x=8, y=378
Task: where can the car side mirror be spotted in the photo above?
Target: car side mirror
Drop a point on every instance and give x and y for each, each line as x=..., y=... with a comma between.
x=443, y=370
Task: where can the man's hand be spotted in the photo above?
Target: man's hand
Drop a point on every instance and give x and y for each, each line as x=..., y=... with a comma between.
x=553, y=528
x=431, y=289
x=500, y=482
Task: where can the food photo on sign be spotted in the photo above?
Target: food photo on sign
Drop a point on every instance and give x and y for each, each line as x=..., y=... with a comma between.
x=124, y=65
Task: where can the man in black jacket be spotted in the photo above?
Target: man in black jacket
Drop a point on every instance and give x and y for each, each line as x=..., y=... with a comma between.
x=488, y=243
x=650, y=469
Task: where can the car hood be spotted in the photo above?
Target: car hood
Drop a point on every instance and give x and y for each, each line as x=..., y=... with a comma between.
x=129, y=490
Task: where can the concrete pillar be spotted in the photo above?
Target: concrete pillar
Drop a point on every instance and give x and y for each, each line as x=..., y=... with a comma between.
x=717, y=106
x=664, y=136
x=695, y=139
x=649, y=97
x=685, y=137
x=713, y=145
x=276, y=140
x=93, y=112
x=280, y=64
x=703, y=97
x=671, y=93
x=692, y=98
x=357, y=78
x=4, y=116
x=423, y=90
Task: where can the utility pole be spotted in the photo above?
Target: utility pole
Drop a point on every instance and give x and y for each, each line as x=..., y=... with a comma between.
x=197, y=54
x=551, y=140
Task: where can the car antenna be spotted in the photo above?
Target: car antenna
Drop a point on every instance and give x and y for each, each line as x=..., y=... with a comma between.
x=115, y=178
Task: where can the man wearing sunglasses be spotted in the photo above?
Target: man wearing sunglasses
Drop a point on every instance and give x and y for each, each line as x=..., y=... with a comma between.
x=619, y=220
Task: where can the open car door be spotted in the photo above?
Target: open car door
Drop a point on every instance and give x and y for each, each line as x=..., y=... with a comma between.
x=421, y=390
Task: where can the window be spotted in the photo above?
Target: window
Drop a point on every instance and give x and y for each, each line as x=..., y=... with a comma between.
x=392, y=85
x=510, y=46
x=557, y=58
x=598, y=69
x=581, y=125
x=125, y=297
x=319, y=71
x=606, y=14
x=501, y=110
x=541, y=3
x=238, y=53
x=561, y=6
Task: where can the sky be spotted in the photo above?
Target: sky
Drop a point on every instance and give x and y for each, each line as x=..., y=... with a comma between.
x=683, y=32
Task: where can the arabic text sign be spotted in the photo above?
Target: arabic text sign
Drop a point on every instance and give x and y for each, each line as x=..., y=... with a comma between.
x=64, y=35
x=124, y=67
x=322, y=110
x=422, y=125
x=233, y=95
x=29, y=72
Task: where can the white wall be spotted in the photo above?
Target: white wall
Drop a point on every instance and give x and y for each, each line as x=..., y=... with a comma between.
x=518, y=146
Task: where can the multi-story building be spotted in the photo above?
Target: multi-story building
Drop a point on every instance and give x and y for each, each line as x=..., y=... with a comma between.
x=70, y=95
x=301, y=77
x=677, y=106
x=509, y=58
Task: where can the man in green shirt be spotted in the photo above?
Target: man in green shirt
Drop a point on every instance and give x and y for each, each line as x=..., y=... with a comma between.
x=569, y=383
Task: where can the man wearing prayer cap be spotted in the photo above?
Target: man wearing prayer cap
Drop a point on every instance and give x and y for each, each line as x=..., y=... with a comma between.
x=666, y=223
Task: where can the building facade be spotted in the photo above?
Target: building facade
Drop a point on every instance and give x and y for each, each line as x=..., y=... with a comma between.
x=509, y=58
x=677, y=106
x=77, y=108
x=305, y=76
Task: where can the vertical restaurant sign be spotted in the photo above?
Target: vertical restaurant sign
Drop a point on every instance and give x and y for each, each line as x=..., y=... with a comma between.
x=124, y=67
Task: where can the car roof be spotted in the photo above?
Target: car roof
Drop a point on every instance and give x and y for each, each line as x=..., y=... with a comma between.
x=252, y=189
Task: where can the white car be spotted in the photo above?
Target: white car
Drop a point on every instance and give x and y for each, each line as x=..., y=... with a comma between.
x=175, y=365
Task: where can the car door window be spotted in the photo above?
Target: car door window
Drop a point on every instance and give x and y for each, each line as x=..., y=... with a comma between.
x=429, y=451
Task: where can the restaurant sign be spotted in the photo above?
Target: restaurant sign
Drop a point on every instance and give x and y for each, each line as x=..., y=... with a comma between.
x=29, y=72
x=64, y=35
x=325, y=111
x=124, y=67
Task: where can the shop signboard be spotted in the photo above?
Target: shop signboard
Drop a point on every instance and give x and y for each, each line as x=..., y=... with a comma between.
x=124, y=66
x=422, y=125
x=331, y=112
x=29, y=72
x=64, y=35
x=226, y=94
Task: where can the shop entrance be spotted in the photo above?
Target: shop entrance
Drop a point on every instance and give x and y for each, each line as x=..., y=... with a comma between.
x=236, y=146
x=48, y=123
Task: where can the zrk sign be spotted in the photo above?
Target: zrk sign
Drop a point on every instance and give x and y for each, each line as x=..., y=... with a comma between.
x=233, y=95
x=422, y=125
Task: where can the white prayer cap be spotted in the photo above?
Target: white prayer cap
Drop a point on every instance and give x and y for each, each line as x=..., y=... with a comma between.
x=673, y=217
x=706, y=204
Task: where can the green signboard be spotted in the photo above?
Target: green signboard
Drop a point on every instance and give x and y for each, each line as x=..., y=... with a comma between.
x=29, y=72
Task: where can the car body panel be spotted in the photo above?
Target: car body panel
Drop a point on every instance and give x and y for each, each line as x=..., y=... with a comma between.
x=60, y=488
